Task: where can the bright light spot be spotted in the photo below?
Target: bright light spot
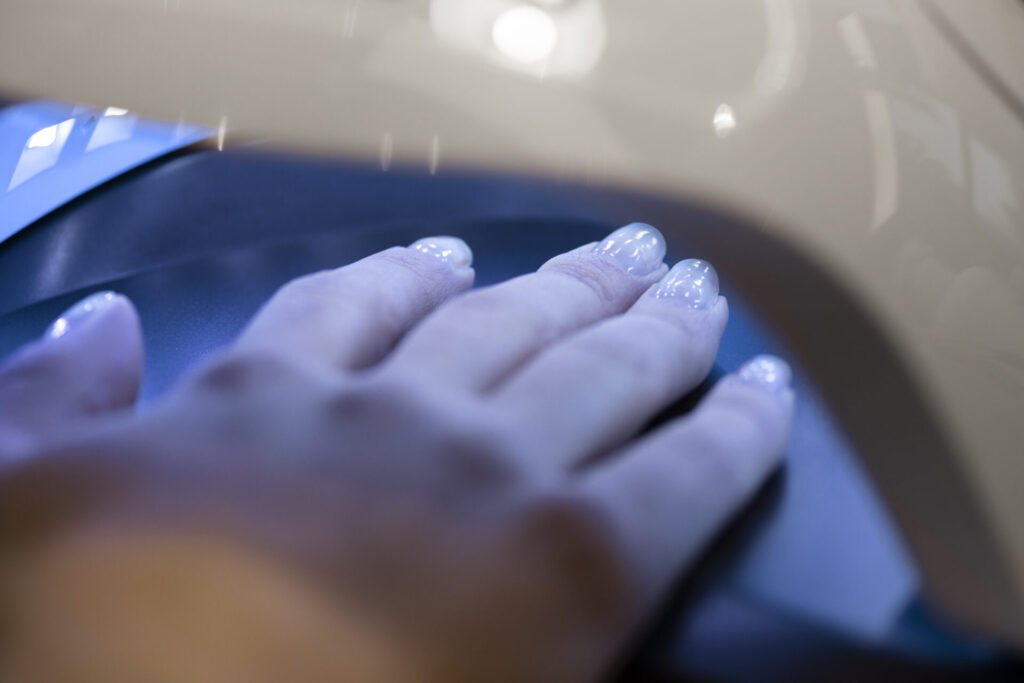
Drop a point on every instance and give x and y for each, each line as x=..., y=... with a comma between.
x=222, y=131
x=724, y=121
x=59, y=328
x=42, y=149
x=525, y=34
x=115, y=111
x=43, y=138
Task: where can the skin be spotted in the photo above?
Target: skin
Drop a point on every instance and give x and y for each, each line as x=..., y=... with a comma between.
x=381, y=480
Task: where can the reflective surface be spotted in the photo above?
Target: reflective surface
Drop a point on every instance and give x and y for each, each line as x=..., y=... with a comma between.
x=51, y=152
x=636, y=248
x=446, y=248
x=767, y=371
x=856, y=130
x=694, y=281
x=78, y=313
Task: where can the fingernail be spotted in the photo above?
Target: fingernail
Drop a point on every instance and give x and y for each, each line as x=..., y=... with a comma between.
x=445, y=248
x=693, y=281
x=767, y=372
x=77, y=314
x=637, y=248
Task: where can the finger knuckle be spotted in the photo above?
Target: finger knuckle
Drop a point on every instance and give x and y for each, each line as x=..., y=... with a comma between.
x=313, y=287
x=684, y=332
x=493, y=310
x=474, y=458
x=373, y=409
x=724, y=454
x=750, y=417
x=485, y=302
x=463, y=449
x=604, y=280
x=718, y=468
x=383, y=407
x=641, y=356
x=425, y=271
x=243, y=372
x=32, y=365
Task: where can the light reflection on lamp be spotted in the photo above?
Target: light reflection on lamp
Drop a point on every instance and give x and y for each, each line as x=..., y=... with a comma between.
x=115, y=125
x=559, y=40
x=59, y=328
x=41, y=151
x=43, y=137
x=724, y=121
x=526, y=34
x=782, y=65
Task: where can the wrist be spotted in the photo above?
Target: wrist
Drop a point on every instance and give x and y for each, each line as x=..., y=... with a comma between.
x=126, y=606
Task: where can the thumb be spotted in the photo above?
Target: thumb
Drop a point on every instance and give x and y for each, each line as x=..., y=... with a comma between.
x=87, y=364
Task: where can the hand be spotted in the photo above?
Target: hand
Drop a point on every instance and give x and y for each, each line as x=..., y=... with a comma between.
x=444, y=485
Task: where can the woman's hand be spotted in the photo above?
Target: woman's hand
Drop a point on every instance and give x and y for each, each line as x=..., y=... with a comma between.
x=429, y=483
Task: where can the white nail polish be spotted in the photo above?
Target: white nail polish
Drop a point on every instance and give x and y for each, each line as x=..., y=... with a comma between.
x=445, y=248
x=693, y=281
x=637, y=248
x=767, y=372
x=78, y=313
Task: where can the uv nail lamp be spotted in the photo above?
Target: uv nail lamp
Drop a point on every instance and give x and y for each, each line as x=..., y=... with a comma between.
x=854, y=168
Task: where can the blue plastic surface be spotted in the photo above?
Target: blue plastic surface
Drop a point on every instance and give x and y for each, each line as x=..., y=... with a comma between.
x=52, y=152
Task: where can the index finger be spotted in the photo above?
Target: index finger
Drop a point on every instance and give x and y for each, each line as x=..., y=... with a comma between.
x=349, y=318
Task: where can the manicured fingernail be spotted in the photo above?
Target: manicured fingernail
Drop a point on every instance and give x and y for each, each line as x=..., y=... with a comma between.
x=693, y=281
x=79, y=313
x=445, y=248
x=767, y=372
x=637, y=248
